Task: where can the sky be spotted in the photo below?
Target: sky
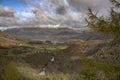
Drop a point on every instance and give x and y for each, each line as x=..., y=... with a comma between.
x=41, y=12
x=62, y=6
x=53, y=6
x=15, y=4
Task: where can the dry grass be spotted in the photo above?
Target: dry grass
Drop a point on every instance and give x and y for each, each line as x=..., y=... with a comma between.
x=7, y=40
x=32, y=74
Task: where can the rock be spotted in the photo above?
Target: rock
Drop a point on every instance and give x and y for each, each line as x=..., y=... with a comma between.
x=42, y=73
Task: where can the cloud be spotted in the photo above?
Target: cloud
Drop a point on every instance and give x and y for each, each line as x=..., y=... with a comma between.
x=22, y=15
x=37, y=11
x=6, y=11
x=35, y=3
x=61, y=10
x=69, y=13
x=97, y=5
x=48, y=6
x=7, y=17
x=64, y=6
x=64, y=12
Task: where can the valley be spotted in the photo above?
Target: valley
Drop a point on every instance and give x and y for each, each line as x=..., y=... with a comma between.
x=59, y=39
x=37, y=60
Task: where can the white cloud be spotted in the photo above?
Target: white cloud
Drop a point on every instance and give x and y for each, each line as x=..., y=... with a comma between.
x=63, y=12
x=6, y=11
x=23, y=15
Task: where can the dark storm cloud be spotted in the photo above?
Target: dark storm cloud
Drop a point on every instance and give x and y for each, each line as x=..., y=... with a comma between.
x=61, y=10
x=6, y=12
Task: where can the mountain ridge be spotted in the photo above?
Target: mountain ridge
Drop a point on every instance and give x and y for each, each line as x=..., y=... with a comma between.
x=55, y=34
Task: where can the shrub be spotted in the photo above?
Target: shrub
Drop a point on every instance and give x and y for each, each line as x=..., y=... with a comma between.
x=96, y=70
x=11, y=72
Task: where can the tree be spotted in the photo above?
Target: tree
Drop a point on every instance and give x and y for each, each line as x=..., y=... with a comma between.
x=11, y=72
x=106, y=25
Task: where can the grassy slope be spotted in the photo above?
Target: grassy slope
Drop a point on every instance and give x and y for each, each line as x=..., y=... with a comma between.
x=67, y=61
x=7, y=40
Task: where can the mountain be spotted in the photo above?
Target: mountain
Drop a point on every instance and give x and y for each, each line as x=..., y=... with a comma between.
x=45, y=34
x=55, y=34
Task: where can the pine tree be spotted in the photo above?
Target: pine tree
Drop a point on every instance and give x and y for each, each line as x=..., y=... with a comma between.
x=106, y=25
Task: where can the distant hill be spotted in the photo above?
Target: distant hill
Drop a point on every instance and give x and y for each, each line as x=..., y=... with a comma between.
x=55, y=34
x=45, y=34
